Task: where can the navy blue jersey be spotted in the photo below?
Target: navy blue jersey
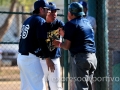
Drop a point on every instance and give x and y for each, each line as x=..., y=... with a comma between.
x=33, y=35
x=53, y=33
x=80, y=33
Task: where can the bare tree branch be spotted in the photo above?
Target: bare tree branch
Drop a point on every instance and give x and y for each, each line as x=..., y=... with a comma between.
x=8, y=21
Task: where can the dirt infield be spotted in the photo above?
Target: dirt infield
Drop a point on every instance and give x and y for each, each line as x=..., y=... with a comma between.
x=10, y=78
x=10, y=85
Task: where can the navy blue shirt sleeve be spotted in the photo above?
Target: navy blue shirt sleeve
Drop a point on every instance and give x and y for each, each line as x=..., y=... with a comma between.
x=41, y=29
x=42, y=36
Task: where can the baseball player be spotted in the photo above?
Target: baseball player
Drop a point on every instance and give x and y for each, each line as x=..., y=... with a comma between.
x=53, y=26
x=32, y=41
x=79, y=40
x=90, y=18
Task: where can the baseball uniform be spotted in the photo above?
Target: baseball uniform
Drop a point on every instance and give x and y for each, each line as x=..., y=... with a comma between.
x=32, y=41
x=55, y=54
x=80, y=34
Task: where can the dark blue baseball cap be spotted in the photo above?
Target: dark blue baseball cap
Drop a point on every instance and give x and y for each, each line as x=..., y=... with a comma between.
x=41, y=3
x=83, y=3
x=76, y=9
x=53, y=6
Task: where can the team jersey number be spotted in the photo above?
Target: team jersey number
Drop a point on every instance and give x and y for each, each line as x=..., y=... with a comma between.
x=25, y=29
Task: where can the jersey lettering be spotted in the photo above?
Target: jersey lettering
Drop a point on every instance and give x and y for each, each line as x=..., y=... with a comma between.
x=25, y=29
x=50, y=37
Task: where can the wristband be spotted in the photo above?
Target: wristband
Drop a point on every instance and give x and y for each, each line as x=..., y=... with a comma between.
x=59, y=44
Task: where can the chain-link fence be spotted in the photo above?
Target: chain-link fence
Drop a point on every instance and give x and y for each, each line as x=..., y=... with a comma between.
x=108, y=42
x=114, y=43
x=107, y=14
x=10, y=28
x=9, y=31
x=9, y=72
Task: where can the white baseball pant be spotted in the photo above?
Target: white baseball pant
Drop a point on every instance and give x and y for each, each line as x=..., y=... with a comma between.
x=31, y=72
x=53, y=77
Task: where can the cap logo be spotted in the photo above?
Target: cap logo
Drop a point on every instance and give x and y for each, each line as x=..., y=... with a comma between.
x=51, y=4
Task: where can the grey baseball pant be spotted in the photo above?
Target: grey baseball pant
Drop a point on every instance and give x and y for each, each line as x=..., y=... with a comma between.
x=82, y=67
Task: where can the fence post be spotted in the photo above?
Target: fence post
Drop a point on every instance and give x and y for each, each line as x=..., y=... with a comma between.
x=92, y=8
x=65, y=51
x=102, y=45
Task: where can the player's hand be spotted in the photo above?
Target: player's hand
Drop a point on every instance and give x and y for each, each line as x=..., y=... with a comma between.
x=56, y=43
x=50, y=64
x=61, y=32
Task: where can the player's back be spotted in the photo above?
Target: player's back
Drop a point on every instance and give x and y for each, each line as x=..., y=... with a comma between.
x=28, y=38
x=82, y=35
